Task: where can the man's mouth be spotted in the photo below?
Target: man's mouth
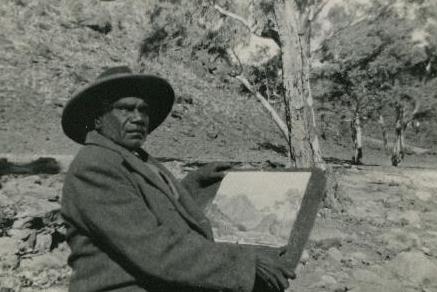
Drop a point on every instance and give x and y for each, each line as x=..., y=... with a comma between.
x=136, y=132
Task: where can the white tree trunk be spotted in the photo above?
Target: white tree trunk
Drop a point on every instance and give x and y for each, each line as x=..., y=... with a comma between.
x=398, y=148
x=357, y=137
x=293, y=27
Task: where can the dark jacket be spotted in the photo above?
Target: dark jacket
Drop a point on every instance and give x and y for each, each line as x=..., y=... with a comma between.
x=127, y=232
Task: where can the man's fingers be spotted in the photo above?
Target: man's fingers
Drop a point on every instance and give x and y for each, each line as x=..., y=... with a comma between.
x=289, y=274
x=269, y=278
x=222, y=166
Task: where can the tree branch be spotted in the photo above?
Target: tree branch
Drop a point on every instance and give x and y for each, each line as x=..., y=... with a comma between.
x=236, y=17
x=319, y=9
x=278, y=121
x=414, y=112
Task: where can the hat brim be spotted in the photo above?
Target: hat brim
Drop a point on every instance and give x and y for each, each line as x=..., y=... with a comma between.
x=79, y=113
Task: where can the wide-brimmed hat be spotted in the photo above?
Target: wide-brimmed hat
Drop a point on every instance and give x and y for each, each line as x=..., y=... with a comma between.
x=116, y=82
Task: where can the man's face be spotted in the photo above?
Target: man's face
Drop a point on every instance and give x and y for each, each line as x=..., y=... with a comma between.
x=126, y=122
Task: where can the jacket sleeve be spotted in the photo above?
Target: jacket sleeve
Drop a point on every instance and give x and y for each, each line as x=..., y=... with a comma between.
x=110, y=209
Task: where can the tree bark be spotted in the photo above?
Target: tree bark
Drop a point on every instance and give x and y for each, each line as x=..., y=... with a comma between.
x=293, y=27
x=357, y=137
x=381, y=121
x=398, y=148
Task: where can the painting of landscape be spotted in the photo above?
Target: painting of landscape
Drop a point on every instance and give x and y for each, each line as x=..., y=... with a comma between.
x=253, y=207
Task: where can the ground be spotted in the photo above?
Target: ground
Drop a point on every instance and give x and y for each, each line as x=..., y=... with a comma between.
x=376, y=231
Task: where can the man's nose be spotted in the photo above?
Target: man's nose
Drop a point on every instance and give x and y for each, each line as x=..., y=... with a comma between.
x=138, y=117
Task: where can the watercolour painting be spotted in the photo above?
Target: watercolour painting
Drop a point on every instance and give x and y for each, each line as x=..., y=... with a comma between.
x=257, y=208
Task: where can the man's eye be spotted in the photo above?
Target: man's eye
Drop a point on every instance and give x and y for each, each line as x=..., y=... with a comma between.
x=123, y=108
x=143, y=109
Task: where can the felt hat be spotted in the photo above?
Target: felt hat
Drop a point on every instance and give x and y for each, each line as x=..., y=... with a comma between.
x=115, y=83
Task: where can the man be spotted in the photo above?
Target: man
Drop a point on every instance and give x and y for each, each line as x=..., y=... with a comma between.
x=131, y=225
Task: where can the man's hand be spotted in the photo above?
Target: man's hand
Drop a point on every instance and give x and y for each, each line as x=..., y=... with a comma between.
x=205, y=180
x=209, y=174
x=272, y=272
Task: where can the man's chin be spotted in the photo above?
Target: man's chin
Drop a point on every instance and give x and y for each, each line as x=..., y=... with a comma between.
x=134, y=143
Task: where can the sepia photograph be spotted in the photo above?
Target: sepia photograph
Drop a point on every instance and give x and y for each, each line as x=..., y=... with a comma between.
x=218, y=145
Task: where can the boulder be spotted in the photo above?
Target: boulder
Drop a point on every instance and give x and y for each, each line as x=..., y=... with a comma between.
x=414, y=267
x=399, y=240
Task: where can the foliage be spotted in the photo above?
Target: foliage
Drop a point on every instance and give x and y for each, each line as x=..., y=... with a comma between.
x=374, y=65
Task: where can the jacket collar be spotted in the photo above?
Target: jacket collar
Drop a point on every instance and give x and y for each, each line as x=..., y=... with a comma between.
x=94, y=138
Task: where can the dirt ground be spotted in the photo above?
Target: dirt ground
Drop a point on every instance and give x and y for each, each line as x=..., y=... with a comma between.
x=375, y=231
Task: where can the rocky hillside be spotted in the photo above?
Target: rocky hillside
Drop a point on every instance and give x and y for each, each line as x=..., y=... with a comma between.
x=52, y=48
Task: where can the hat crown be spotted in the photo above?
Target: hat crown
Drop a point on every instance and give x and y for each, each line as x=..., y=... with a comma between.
x=115, y=71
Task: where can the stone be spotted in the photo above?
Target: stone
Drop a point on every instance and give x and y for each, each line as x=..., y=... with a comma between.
x=398, y=240
x=8, y=246
x=374, y=280
x=22, y=223
x=409, y=217
x=43, y=243
x=424, y=196
x=32, y=206
x=414, y=267
x=363, y=275
x=335, y=254
x=257, y=50
x=326, y=281
x=360, y=257
x=54, y=260
x=304, y=257
x=9, y=284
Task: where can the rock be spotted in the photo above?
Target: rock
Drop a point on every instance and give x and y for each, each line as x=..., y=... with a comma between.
x=365, y=276
x=9, y=284
x=360, y=257
x=9, y=262
x=398, y=240
x=91, y=14
x=424, y=196
x=53, y=260
x=43, y=243
x=371, y=281
x=326, y=281
x=414, y=267
x=304, y=257
x=257, y=50
x=326, y=237
x=30, y=205
x=22, y=223
x=335, y=254
x=8, y=246
x=405, y=217
x=27, y=245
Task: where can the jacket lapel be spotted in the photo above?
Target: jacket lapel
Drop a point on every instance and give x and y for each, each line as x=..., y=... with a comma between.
x=183, y=209
x=140, y=167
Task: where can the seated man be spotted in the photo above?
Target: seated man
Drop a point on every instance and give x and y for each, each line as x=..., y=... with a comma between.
x=131, y=225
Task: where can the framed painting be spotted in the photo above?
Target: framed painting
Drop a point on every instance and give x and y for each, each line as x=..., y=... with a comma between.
x=273, y=209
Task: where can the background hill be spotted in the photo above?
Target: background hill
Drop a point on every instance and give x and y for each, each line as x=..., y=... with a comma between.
x=52, y=48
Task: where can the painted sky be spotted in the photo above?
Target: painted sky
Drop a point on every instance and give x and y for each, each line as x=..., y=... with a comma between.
x=263, y=188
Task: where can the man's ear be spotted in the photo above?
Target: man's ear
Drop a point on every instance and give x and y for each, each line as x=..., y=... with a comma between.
x=98, y=123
